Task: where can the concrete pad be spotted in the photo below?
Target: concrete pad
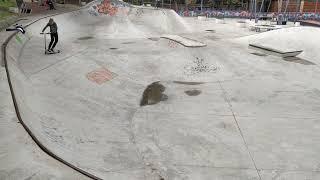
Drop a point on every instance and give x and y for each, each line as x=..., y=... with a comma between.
x=20, y=157
x=272, y=98
x=209, y=173
x=282, y=143
x=190, y=142
x=84, y=104
x=294, y=175
x=178, y=101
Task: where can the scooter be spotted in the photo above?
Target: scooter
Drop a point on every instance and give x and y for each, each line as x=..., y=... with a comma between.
x=45, y=45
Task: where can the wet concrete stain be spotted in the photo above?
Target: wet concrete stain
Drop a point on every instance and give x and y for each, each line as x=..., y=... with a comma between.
x=259, y=54
x=211, y=37
x=188, y=83
x=194, y=92
x=153, y=94
x=85, y=38
x=211, y=30
x=154, y=39
x=113, y=48
x=131, y=42
x=298, y=60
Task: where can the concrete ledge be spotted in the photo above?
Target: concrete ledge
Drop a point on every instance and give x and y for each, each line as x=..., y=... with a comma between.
x=277, y=52
x=258, y=27
x=310, y=23
x=184, y=41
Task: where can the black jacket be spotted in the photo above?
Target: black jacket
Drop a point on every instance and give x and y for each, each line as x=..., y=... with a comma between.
x=53, y=28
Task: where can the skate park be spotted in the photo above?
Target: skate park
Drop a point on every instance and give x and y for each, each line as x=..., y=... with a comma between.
x=143, y=93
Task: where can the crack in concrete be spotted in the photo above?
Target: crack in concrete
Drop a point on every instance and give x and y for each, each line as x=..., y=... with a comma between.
x=235, y=119
x=133, y=140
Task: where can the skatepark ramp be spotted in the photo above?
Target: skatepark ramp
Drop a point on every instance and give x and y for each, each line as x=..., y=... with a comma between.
x=289, y=39
x=93, y=134
x=121, y=103
x=184, y=41
x=277, y=52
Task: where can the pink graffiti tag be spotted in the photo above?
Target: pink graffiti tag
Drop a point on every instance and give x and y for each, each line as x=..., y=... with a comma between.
x=107, y=8
x=100, y=76
x=172, y=44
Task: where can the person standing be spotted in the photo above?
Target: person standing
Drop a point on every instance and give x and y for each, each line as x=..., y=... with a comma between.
x=54, y=34
x=50, y=4
x=158, y=3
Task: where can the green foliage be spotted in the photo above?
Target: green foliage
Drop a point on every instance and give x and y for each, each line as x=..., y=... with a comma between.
x=5, y=4
x=4, y=14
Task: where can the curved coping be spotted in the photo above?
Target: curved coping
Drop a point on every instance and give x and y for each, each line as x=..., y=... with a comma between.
x=34, y=138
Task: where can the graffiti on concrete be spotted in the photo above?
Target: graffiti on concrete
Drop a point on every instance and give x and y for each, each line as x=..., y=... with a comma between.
x=172, y=44
x=109, y=7
x=100, y=75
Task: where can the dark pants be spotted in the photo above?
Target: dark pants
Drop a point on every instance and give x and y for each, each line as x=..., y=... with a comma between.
x=54, y=40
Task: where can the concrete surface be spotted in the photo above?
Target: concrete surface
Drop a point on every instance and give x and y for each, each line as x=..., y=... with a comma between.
x=221, y=112
x=20, y=157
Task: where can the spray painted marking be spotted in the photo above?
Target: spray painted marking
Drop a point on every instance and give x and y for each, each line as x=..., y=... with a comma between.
x=18, y=39
x=172, y=44
x=101, y=75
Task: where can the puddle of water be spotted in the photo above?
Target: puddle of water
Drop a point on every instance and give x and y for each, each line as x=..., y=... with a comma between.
x=188, y=83
x=194, y=92
x=153, y=94
x=85, y=38
x=298, y=60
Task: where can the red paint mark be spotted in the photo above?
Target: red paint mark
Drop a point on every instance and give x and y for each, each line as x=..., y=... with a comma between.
x=172, y=44
x=101, y=75
x=107, y=8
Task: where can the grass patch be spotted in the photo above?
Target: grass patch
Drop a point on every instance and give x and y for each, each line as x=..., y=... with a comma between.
x=5, y=4
x=4, y=14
